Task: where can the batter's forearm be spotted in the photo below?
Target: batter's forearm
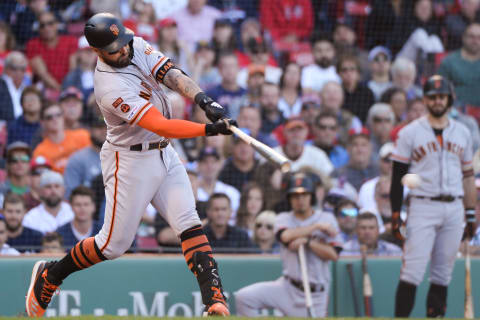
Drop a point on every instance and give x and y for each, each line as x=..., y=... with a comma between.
x=470, y=193
x=179, y=82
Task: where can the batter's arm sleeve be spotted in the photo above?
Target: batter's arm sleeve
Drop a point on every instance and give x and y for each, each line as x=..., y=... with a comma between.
x=154, y=121
x=399, y=169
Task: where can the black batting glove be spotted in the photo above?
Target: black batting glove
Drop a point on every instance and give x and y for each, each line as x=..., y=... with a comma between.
x=213, y=110
x=219, y=127
x=469, y=231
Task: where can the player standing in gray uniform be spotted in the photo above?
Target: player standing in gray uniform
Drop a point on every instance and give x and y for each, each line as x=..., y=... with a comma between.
x=319, y=232
x=439, y=150
x=139, y=166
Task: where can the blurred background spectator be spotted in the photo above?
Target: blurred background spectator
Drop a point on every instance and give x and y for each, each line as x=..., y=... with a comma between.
x=53, y=212
x=222, y=236
x=52, y=242
x=5, y=249
x=20, y=237
x=367, y=234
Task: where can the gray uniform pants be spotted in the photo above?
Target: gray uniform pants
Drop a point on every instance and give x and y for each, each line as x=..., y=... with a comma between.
x=281, y=295
x=434, y=231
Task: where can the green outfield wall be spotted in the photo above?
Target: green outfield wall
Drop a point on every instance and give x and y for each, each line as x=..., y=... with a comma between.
x=163, y=286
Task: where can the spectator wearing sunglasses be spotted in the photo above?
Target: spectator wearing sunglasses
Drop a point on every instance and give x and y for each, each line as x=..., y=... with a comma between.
x=18, y=169
x=51, y=55
x=264, y=235
x=380, y=122
x=325, y=131
x=346, y=212
x=12, y=83
x=367, y=234
x=380, y=62
x=59, y=144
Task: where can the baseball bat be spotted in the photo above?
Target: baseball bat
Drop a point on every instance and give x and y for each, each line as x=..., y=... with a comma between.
x=367, y=284
x=354, y=289
x=306, y=282
x=468, y=285
x=267, y=152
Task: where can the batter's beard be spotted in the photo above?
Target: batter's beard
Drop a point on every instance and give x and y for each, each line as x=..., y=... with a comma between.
x=437, y=114
x=119, y=64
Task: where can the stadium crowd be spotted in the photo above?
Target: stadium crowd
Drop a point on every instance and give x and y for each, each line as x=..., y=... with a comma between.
x=328, y=84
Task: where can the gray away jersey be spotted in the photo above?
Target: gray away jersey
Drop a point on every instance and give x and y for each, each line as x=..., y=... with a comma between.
x=124, y=95
x=318, y=271
x=438, y=165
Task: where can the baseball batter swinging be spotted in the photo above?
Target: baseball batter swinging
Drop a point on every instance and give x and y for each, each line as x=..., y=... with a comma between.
x=439, y=150
x=138, y=164
x=319, y=232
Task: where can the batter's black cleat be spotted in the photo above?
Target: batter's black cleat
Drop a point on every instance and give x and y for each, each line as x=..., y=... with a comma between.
x=41, y=289
x=206, y=271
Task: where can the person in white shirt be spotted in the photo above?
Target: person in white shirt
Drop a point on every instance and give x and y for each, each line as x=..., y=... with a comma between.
x=14, y=75
x=53, y=212
x=209, y=166
x=5, y=249
x=300, y=154
x=323, y=69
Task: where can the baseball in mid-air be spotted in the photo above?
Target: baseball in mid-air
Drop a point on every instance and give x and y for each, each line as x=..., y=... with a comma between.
x=411, y=180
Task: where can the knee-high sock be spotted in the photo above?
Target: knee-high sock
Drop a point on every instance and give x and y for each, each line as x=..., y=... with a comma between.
x=83, y=255
x=194, y=239
x=436, y=301
x=404, y=299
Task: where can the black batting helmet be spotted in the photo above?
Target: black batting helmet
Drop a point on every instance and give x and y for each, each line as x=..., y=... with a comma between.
x=437, y=84
x=106, y=32
x=300, y=182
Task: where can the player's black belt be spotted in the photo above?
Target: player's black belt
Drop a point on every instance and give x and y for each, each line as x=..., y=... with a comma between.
x=299, y=285
x=154, y=145
x=442, y=198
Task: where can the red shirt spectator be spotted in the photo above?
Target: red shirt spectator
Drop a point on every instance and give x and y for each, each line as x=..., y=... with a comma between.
x=50, y=51
x=287, y=20
x=56, y=58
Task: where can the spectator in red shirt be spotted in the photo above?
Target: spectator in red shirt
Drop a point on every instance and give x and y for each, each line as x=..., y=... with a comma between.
x=51, y=55
x=287, y=20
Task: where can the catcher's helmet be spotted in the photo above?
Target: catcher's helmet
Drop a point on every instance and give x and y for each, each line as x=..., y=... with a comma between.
x=106, y=32
x=437, y=84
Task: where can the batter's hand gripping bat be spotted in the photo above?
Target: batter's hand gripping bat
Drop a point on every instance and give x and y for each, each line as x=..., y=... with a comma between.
x=306, y=282
x=268, y=153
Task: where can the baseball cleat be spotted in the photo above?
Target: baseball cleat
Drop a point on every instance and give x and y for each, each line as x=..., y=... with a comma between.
x=41, y=290
x=216, y=309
